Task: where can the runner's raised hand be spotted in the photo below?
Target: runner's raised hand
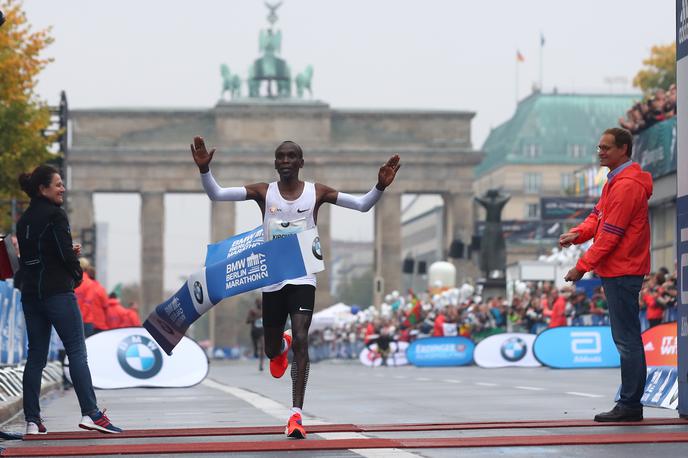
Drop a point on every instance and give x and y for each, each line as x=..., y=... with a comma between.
x=200, y=154
x=387, y=172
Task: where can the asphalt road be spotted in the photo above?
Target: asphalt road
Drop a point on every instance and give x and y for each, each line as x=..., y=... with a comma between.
x=237, y=394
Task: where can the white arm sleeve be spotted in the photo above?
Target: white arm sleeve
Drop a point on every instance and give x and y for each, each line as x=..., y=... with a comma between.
x=215, y=192
x=363, y=203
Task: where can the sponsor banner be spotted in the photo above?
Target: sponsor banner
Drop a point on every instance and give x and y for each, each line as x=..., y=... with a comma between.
x=681, y=31
x=255, y=267
x=233, y=245
x=560, y=208
x=397, y=357
x=506, y=350
x=660, y=345
x=572, y=347
x=682, y=200
x=655, y=148
x=441, y=351
x=130, y=357
x=661, y=388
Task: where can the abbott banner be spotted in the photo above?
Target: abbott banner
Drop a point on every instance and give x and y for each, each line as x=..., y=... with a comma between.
x=506, y=350
x=129, y=358
x=247, y=265
x=441, y=351
x=570, y=347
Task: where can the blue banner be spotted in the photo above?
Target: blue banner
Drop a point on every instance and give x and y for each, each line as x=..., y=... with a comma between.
x=254, y=265
x=441, y=351
x=570, y=347
x=234, y=245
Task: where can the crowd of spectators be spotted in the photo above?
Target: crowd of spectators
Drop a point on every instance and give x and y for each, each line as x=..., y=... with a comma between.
x=646, y=113
x=534, y=307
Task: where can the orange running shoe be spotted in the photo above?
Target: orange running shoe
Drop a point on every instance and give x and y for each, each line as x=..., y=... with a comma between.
x=295, y=428
x=279, y=364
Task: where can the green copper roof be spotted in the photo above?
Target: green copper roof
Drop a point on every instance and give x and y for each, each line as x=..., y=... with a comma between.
x=553, y=129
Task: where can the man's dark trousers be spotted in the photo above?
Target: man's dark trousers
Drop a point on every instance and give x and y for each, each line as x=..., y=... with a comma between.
x=622, y=299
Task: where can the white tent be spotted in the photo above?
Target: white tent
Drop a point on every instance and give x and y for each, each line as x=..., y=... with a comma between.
x=333, y=316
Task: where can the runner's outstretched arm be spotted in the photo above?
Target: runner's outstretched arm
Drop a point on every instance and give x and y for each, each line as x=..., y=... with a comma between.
x=202, y=158
x=364, y=203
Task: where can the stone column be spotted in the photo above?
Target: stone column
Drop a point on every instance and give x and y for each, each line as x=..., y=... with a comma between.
x=152, y=250
x=223, y=319
x=81, y=214
x=458, y=224
x=387, y=244
x=323, y=298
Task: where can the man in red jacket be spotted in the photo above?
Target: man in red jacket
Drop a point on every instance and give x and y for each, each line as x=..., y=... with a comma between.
x=620, y=255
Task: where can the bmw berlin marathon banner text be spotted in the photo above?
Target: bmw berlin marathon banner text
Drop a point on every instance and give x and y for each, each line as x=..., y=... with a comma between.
x=238, y=264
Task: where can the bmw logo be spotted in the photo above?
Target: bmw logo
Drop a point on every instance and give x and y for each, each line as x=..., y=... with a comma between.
x=198, y=291
x=317, y=252
x=514, y=349
x=139, y=357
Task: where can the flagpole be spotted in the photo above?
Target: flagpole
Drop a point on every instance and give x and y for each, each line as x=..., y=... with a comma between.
x=542, y=47
x=516, y=87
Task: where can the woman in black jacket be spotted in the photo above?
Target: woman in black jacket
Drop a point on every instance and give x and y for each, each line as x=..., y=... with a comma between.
x=49, y=271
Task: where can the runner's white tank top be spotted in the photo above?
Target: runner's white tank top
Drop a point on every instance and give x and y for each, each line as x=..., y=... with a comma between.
x=284, y=217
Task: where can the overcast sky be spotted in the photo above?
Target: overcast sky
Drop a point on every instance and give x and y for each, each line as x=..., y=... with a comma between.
x=444, y=54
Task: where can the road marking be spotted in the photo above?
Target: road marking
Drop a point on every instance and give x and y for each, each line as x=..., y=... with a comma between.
x=585, y=395
x=530, y=388
x=279, y=411
x=486, y=384
x=449, y=380
x=400, y=377
x=422, y=379
x=379, y=375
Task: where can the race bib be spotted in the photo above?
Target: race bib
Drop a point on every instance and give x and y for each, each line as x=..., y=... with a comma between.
x=278, y=229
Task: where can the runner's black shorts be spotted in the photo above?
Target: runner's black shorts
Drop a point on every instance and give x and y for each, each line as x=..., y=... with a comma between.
x=289, y=300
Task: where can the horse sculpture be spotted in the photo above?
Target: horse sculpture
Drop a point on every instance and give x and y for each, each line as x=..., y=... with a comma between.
x=303, y=81
x=230, y=83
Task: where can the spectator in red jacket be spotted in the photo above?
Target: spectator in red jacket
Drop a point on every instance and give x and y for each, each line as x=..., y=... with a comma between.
x=558, y=315
x=620, y=255
x=116, y=315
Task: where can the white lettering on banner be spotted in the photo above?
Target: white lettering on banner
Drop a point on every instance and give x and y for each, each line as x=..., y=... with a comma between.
x=435, y=348
x=586, y=343
x=244, y=243
x=174, y=312
x=238, y=274
x=587, y=359
x=669, y=344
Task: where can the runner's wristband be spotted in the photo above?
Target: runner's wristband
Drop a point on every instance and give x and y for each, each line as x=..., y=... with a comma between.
x=215, y=192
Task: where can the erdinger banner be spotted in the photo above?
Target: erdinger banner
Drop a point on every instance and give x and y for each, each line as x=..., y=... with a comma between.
x=660, y=345
x=129, y=358
x=441, y=351
x=397, y=357
x=506, y=350
x=251, y=266
x=570, y=347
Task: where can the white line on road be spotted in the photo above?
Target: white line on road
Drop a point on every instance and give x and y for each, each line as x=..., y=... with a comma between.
x=530, y=388
x=422, y=379
x=449, y=380
x=586, y=395
x=280, y=411
x=486, y=384
x=400, y=377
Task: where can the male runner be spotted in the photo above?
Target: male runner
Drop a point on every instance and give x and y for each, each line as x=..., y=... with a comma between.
x=289, y=206
x=255, y=319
